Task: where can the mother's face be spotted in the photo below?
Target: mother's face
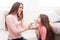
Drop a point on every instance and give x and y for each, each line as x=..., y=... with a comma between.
x=20, y=8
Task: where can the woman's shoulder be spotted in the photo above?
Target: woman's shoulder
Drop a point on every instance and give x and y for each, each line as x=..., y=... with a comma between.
x=9, y=17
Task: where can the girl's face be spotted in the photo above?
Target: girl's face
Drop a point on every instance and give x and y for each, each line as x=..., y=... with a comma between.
x=38, y=20
x=20, y=8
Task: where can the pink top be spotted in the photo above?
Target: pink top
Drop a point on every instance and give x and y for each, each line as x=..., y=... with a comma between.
x=42, y=32
x=14, y=27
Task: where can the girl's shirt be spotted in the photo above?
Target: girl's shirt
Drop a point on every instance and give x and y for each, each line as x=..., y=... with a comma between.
x=42, y=32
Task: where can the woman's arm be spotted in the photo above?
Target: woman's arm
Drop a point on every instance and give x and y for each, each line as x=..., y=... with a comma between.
x=33, y=26
x=13, y=26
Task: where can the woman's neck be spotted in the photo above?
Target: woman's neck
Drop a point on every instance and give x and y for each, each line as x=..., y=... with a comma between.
x=15, y=14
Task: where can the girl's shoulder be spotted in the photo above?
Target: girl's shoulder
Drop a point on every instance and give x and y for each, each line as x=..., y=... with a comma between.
x=43, y=28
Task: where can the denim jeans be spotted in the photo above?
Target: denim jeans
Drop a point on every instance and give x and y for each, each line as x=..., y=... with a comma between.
x=22, y=38
x=39, y=38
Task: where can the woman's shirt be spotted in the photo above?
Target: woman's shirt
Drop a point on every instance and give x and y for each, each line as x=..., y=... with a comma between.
x=42, y=31
x=14, y=27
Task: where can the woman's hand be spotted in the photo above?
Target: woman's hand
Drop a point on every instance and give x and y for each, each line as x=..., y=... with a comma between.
x=33, y=25
x=30, y=26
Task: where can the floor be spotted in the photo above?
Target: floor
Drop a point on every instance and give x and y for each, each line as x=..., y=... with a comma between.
x=4, y=34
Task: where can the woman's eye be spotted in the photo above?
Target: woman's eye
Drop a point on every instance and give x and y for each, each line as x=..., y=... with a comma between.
x=21, y=7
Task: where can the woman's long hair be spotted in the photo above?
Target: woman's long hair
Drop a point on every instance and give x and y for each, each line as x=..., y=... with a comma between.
x=14, y=9
x=45, y=22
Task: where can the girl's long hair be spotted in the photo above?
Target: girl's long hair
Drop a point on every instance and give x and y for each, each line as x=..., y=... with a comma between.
x=45, y=22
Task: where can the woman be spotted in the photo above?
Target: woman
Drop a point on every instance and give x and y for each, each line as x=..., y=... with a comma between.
x=45, y=31
x=14, y=22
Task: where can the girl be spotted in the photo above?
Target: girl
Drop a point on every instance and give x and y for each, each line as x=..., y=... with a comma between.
x=45, y=31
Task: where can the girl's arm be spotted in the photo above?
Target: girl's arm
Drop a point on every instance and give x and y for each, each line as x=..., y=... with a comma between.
x=43, y=33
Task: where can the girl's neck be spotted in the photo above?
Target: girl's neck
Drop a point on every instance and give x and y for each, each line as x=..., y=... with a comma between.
x=41, y=24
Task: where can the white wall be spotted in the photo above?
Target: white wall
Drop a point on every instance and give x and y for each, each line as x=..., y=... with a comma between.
x=51, y=8
x=50, y=3
x=51, y=12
